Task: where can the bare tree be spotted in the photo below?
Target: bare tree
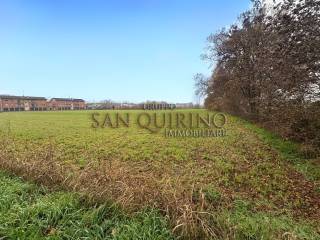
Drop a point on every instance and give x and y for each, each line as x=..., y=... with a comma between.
x=267, y=68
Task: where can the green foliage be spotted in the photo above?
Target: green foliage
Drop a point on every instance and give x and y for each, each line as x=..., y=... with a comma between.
x=212, y=195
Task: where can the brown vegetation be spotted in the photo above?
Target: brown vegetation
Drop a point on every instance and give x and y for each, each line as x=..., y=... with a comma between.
x=268, y=70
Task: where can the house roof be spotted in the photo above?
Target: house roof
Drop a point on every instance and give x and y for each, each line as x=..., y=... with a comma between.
x=3, y=96
x=67, y=99
x=21, y=97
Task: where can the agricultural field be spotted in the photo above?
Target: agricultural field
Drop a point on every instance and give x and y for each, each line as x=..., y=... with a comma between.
x=82, y=182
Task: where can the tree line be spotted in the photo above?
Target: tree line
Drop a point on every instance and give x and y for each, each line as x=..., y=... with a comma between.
x=267, y=69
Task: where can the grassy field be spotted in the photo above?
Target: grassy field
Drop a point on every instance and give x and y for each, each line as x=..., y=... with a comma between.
x=31, y=212
x=246, y=185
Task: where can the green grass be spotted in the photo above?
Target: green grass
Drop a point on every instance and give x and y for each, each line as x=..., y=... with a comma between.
x=289, y=152
x=257, y=225
x=31, y=212
x=246, y=185
x=288, y=149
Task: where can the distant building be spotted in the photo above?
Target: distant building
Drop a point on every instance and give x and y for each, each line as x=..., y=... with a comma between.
x=66, y=104
x=22, y=103
x=184, y=105
x=10, y=103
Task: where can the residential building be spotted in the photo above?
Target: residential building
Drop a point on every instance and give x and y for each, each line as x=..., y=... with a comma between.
x=66, y=104
x=22, y=103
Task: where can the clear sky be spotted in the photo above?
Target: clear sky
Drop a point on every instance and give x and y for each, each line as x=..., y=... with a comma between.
x=132, y=50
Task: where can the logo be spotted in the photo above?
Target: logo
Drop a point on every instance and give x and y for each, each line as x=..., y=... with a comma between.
x=173, y=124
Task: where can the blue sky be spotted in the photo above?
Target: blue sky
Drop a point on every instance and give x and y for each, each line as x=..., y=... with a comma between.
x=99, y=49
